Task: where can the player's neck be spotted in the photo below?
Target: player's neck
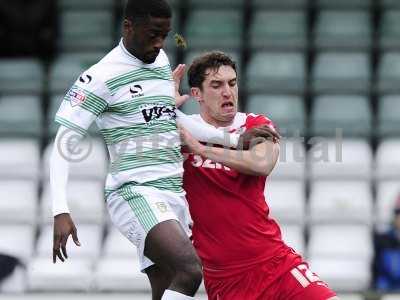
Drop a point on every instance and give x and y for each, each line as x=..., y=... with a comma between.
x=128, y=49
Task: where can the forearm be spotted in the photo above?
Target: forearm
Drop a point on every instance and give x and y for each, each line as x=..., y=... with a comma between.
x=207, y=133
x=59, y=171
x=259, y=161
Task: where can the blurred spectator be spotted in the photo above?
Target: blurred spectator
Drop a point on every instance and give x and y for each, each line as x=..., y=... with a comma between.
x=27, y=27
x=387, y=255
x=7, y=266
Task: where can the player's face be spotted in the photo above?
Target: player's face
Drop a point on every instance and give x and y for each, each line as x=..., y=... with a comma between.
x=219, y=95
x=145, y=39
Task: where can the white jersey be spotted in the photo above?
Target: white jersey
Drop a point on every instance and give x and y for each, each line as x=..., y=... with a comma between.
x=133, y=105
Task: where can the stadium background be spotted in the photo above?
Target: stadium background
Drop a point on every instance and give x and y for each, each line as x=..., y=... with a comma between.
x=311, y=66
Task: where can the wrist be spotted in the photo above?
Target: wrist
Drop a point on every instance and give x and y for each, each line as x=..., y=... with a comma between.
x=60, y=210
x=61, y=214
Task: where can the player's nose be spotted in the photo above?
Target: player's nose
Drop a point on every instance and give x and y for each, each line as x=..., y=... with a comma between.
x=159, y=44
x=226, y=91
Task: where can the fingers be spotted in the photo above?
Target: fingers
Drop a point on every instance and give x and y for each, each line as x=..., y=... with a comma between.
x=181, y=100
x=268, y=132
x=270, y=129
x=181, y=131
x=56, y=248
x=64, y=246
x=75, y=237
x=60, y=245
x=178, y=73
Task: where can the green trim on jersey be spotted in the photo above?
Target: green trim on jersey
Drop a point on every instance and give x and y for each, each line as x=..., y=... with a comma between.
x=119, y=134
x=70, y=125
x=134, y=106
x=93, y=103
x=172, y=184
x=163, y=73
x=140, y=207
x=147, y=158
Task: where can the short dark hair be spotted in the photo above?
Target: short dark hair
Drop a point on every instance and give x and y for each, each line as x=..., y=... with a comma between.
x=210, y=60
x=139, y=10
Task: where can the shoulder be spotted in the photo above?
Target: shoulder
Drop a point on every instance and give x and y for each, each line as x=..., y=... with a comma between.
x=244, y=121
x=91, y=80
x=162, y=58
x=385, y=239
x=92, y=83
x=111, y=66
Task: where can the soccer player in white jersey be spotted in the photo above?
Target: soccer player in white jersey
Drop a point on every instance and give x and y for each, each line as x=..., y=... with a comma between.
x=131, y=96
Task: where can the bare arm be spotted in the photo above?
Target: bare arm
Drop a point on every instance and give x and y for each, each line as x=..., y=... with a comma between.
x=259, y=160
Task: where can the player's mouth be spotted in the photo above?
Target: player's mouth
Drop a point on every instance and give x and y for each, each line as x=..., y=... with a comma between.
x=228, y=106
x=154, y=53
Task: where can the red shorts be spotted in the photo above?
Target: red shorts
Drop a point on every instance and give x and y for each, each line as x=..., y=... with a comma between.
x=299, y=283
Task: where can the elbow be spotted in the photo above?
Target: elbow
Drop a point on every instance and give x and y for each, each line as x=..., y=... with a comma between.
x=257, y=168
x=265, y=166
x=262, y=169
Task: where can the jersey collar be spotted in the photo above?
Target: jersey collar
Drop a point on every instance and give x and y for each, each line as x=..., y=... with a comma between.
x=127, y=53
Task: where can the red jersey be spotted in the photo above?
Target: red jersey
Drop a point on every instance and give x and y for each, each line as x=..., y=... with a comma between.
x=232, y=229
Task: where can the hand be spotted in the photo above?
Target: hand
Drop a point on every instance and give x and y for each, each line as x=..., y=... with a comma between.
x=63, y=227
x=257, y=135
x=177, y=75
x=189, y=141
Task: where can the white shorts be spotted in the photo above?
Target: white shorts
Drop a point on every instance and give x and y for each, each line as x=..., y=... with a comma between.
x=134, y=210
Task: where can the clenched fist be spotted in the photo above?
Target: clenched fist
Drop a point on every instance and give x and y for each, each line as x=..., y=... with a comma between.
x=257, y=135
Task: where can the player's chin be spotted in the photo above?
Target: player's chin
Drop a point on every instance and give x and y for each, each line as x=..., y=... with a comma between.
x=228, y=115
x=150, y=58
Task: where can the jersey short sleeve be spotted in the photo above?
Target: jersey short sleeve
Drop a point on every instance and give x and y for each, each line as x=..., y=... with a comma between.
x=254, y=120
x=83, y=103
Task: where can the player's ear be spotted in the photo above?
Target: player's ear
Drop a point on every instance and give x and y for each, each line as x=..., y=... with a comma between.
x=127, y=26
x=196, y=93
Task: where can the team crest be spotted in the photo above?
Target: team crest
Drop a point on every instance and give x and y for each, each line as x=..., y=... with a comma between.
x=162, y=207
x=76, y=96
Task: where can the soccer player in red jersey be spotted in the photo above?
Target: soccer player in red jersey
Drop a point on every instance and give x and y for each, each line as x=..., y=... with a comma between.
x=241, y=248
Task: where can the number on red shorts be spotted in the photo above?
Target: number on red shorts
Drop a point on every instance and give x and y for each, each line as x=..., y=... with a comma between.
x=304, y=275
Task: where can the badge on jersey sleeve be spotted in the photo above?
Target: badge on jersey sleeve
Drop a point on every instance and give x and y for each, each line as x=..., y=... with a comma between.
x=76, y=96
